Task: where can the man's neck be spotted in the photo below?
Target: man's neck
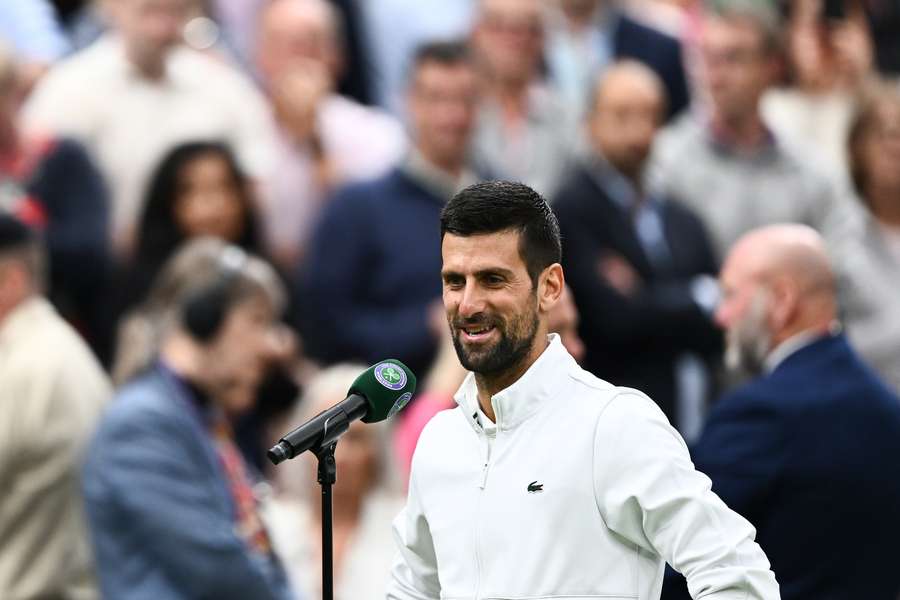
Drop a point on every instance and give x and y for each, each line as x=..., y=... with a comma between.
x=489, y=385
x=512, y=98
x=182, y=355
x=747, y=132
x=150, y=68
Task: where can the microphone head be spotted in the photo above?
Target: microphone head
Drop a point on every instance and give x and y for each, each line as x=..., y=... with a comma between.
x=387, y=387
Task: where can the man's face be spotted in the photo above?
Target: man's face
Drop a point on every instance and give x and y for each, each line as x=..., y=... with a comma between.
x=151, y=27
x=624, y=121
x=442, y=104
x=294, y=34
x=880, y=148
x=237, y=357
x=737, y=68
x=744, y=314
x=491, y=304
x=509, y=38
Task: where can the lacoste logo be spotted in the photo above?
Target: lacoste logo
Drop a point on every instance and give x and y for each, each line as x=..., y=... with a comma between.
x=534, y=487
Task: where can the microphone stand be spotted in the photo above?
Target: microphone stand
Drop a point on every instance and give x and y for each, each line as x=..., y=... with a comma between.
x=327, y=475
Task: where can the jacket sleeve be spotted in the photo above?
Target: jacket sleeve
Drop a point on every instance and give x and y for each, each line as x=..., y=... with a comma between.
x=161, y=489
x=659, y=313
x=648, y=491
x=414, y=575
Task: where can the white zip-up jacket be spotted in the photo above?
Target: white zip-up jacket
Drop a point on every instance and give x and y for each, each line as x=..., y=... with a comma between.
x=582, y=490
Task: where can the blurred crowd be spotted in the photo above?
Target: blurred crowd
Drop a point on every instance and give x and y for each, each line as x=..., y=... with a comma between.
x=165, y=161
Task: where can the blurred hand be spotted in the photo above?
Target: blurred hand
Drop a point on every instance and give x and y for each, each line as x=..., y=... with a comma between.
x=619, y=274
x=298, y=94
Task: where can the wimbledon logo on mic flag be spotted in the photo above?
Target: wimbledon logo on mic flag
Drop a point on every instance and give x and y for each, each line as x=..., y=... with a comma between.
x=390, y=375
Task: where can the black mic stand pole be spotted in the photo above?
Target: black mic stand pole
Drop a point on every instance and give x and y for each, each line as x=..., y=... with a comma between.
x=327, y=475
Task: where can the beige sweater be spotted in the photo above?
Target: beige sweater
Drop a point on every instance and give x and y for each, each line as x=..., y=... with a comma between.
x=51, y=395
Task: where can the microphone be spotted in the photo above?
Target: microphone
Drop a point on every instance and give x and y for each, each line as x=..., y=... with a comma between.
x=380, y=392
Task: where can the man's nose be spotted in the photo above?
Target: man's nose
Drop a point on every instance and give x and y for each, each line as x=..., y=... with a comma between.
x=472, y=301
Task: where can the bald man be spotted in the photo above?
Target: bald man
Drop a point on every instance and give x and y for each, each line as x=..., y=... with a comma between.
x=809, y=450
x=640, y=266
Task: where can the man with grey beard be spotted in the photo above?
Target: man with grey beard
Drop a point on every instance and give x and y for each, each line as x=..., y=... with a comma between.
x=807, y=451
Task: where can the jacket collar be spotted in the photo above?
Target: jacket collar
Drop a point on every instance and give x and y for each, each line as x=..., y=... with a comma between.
x=521, y=400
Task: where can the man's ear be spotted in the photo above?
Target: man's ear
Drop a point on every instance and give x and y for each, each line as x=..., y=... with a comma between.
x=785, y=300
x=550, y=287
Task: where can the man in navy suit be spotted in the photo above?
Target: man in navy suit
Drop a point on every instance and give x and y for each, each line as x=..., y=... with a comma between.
x=808, y=450
x=638, y=264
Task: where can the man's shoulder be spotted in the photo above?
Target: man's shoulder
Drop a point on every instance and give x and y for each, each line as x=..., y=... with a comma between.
x=142, y=405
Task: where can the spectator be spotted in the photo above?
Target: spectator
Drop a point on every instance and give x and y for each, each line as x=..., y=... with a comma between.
x=396, y=28
x=35, y=34
x=325, y=140
x=52, y=395
x=197, y=190
x=52, y=184
x=586, y=35
x=525, y=132
x=164, y=482
x=801, y=450
x=641, y=266
x=365, y=500
x=136, y=92
x=829, y=63
x=370, y=280
x=871, y=262
x=731, y=170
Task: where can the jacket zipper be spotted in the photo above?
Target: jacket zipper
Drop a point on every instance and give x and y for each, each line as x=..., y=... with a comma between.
x=477, y=520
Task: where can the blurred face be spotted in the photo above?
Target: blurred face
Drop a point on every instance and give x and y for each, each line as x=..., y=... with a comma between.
x=237, y=358
x=356, y=458
x=150, y=27
x=294, y=33
x=491, y=305
x=744, y=314
x=442, y=105
x=209, y=201
x=625, y=119
x=879, y=148
x=738, y=70
x=563, y=320
x=509, y=38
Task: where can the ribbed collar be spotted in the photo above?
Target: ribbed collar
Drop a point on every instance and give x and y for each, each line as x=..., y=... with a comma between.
x=521, y=400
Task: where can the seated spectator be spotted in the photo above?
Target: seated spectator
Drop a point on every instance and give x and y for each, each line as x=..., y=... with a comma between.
x=584, y=36
x=829, y=62
x=806, y=450
x=51, y=397
x=324, y=140
x=164, y=482
x=52, y=184
x=198, y=189
x=870, y=262
x=730, y=169
x=525, y=131
x=369, y=282
x=365, y=501
x=137, y=92
x=640, y=265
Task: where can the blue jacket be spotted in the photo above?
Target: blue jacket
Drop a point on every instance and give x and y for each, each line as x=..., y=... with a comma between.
x=372, y=272
x=159, y=505
x=810, y=454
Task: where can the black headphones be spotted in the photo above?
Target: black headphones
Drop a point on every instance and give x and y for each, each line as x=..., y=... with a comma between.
x=204, y=310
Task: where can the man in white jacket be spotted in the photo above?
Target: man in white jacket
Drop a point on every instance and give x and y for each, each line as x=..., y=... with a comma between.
x=547, y=482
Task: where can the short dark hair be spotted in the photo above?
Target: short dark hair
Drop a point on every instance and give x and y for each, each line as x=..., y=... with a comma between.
x=495, y=206
x=448, y=53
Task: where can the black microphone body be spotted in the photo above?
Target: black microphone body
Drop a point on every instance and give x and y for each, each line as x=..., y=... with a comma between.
x=322, y=430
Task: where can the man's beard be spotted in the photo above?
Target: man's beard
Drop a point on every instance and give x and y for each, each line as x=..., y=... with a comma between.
x=749, y=341
x=516, y=342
